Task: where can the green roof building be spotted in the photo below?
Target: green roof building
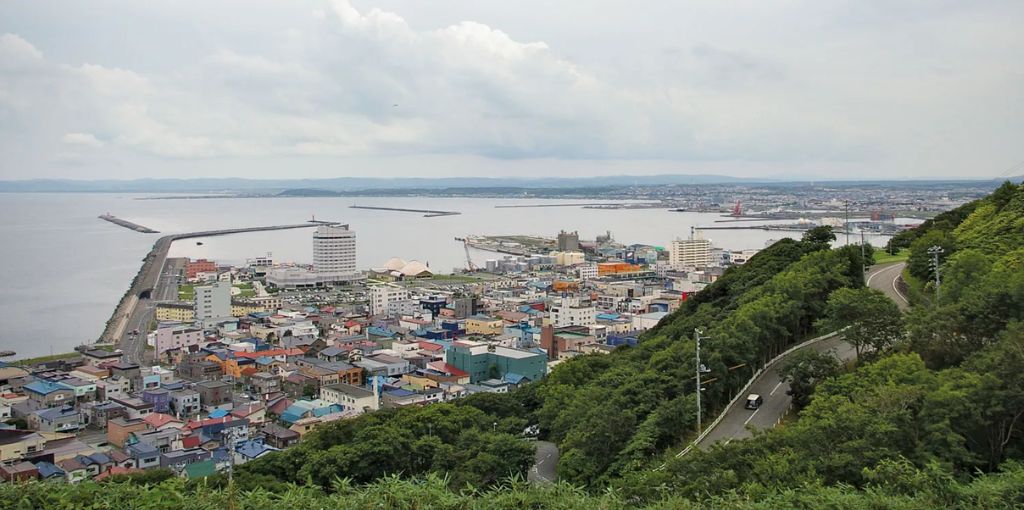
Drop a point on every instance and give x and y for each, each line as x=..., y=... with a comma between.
x=487, y=361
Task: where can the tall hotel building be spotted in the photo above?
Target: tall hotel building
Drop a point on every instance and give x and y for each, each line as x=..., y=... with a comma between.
x=334, y=253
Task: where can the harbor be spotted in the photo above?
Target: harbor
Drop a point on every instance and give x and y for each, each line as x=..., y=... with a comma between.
x=145, y=281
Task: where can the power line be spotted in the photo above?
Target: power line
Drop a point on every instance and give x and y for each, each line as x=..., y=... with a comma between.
x=1019, y=167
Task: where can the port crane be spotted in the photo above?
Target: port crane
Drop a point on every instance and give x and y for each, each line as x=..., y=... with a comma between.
x=469, y=260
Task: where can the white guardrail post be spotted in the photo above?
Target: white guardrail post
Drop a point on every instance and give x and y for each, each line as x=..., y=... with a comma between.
x=742, y=392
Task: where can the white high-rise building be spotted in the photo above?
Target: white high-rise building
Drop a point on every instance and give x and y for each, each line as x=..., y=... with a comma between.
x=573, y=311
x=383, y=295
x=692, y=252
x=334, y=253
x=213, y=301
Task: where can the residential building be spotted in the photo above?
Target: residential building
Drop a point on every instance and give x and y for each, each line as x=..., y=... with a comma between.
x=465, y=306
x=175, y=311
x=16, y=444
x=212, y=301
x=118, y=429
x=185, y=403
x=573, y=311
x=145, y=455
x=278, y=436
x=214, y=395
x=690, y=253
x=484, y=325
x=381, y=296
x=96, y=357
x=351, y=397
x=265, y=383
x=383, y=364
x=564, y=342
x=65, y=419
x=45, y=394
x=587, y=271
x=176, y=337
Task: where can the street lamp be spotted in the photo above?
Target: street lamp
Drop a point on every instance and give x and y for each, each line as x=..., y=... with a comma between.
x=935, y=251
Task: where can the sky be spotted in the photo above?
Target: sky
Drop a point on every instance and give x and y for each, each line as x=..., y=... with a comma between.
x=333, y=88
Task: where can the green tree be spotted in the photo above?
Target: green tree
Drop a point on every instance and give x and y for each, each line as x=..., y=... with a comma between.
x=872, y=320
x=820, y=235
x=804, y=370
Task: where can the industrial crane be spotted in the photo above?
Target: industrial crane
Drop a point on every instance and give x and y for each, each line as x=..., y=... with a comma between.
x=469, y=260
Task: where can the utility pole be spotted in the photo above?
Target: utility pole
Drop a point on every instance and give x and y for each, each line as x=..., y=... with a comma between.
x=229, y=434
x=863, y=263
x=935, y=251
x=846, y=226
x=700, y=370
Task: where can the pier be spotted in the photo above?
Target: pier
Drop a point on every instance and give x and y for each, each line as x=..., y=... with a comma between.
x=146, y=279
x=427, y=212
x=127, y=224
x=791, y=228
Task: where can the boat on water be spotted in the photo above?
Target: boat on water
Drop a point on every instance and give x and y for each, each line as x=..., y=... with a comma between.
x=199, y=243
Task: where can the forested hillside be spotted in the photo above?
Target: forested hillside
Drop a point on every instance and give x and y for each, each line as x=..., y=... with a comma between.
x=944, y=403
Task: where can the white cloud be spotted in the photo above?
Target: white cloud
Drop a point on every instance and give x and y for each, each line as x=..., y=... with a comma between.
x=82, y=139
x=836, y=86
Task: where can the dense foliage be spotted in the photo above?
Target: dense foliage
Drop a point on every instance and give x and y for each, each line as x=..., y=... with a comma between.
x=893, y=485
x=463, y=443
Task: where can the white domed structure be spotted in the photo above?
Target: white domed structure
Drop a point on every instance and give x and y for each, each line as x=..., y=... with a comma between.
x=395, y=264
x=415, y=269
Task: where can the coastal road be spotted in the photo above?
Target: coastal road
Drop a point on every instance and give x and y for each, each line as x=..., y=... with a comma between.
x=544, y=464
x=883, y=277
x=739, y=422
x=166, y=289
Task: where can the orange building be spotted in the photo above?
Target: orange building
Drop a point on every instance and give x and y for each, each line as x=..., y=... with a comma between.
x=561, y=286
x=605, y=268
x=195, y=267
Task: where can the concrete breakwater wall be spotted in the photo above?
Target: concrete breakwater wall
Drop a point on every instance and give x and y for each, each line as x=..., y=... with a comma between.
x=152, y=264
x=127, y=224
x=427, y=212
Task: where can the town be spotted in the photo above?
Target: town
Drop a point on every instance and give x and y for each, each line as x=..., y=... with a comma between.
x=244, y=360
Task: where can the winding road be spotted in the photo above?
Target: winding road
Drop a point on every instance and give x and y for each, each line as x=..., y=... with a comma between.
x=739, y=422
x=544, y=464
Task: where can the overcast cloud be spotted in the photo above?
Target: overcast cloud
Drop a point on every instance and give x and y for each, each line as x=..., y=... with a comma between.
x=858, y=88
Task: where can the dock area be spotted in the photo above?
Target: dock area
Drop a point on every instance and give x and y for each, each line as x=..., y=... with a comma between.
x=427, y=213
x=127, y=224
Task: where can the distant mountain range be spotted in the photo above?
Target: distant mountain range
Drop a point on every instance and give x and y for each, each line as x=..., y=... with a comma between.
x=322, y=186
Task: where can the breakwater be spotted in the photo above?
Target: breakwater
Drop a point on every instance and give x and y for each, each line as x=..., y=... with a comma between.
x=146, y=279
x=127, y=224
x=427, y=212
